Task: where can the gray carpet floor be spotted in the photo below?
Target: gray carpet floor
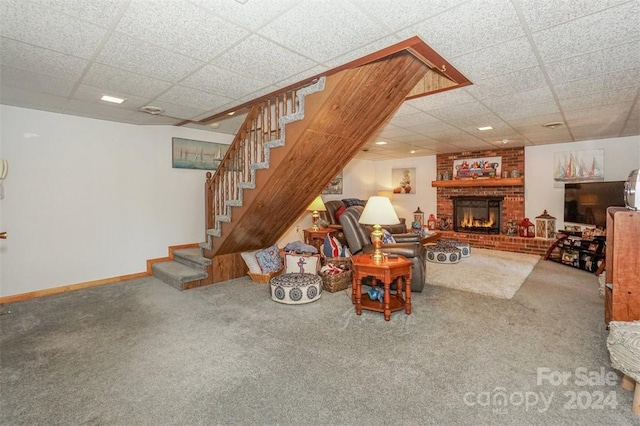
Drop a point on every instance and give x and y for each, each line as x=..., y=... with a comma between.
x=140, y=352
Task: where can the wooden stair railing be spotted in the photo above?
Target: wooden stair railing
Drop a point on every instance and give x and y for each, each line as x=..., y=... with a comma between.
x=223, y=189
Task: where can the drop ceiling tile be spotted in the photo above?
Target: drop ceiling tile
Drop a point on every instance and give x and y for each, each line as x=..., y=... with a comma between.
x=551, y=139
x=43, y=61
x=406, y=109
x=541, y=14
x=601, y=115
x=180, y=27
x=214, y=80
x=441, y=100
x=349, y=29
x=178, y=111
x=362, y=51
x=598, y=99
x=308, y=73
x=462, y=110
x=411, y=119
x=29, y=99
x=632, y=125
x=99, y=12
x=198, y=99
x=473, y=145
x=593, y=32
x=115, y=79
x=519, y=100
x=32, y=81
x=252, y=14
x=391, y=131
x=102, y=112
x=436, y=129
x=262, y=60
x=536, y=120
x=490, y=22
x=505, y=58
x=599, y=83
x=526, y=110
x=506, y=84
x=471, y=123
x=48, y=28
x=597, y=131
x=592, y=64
x=124, y=52
x=398, y=14
x=92, y=94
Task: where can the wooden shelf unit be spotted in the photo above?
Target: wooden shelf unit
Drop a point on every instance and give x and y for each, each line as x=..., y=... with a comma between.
x=622, y=289
x=466, y=183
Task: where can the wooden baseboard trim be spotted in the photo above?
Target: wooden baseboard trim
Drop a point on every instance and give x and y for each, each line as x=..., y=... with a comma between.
x=79, y=286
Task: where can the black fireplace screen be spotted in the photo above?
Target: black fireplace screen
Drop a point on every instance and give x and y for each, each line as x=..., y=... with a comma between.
x=477, y=214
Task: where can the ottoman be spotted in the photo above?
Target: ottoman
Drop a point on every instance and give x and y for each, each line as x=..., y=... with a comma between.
x=465, y=248
x=442, y=253
x=296, y=289
x=624, y=350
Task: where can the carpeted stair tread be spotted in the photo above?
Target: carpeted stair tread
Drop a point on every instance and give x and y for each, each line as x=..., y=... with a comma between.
x=193, y=256
x=176, y=274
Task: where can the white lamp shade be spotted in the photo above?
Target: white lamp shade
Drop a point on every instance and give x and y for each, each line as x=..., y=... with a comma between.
x=379, y=211
x=317, y=205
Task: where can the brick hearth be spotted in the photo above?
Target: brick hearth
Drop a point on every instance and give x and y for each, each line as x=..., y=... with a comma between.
x=512, y=205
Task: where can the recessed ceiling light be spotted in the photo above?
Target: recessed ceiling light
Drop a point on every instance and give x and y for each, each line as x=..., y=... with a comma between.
x=381, y=143
x=553, y=125
x=214, y=125
x=150, y=109
x=482, y=129
x=231, y=113
x=505, y=141
x=413, y=151
x=111, y=99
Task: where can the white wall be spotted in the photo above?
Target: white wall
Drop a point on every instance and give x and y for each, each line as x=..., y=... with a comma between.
x=90, y=199
x=621, y=155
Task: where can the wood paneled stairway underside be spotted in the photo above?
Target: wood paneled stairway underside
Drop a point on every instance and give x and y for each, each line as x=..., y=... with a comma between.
x=334, y=124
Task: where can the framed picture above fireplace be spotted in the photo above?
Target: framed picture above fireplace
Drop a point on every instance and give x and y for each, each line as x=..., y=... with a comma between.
x=474, y=168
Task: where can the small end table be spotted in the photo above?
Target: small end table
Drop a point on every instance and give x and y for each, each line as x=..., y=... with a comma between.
x=316, y=238
x=386, y=272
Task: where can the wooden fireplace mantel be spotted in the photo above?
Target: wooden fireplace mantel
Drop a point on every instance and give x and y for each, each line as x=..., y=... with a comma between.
x=477, y=182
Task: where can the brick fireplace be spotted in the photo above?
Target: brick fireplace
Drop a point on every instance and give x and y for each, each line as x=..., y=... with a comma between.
x=510, y=191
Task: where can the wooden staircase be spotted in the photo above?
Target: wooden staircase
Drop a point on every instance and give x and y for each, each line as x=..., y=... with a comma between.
x=290, y=146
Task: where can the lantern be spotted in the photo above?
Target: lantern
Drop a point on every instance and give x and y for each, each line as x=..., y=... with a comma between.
x=526, y=229
x=432, y=223
x=545, y=226
x=418, y=219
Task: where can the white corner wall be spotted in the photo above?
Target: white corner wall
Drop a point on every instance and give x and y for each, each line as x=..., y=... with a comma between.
x=89, y=199
x=621, y=155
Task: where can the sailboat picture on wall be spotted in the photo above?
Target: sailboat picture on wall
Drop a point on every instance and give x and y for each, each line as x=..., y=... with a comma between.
x=192, y=154
x=579, y=166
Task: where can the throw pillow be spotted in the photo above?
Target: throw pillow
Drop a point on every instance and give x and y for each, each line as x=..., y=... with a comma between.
x=297, y=264
x=331, y=246
x=349, y=202
x=339, y=212
x=269, y=259
x=387, y=238
x=249, y=258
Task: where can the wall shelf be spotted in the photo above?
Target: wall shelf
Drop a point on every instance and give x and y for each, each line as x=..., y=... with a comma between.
x=465, y=183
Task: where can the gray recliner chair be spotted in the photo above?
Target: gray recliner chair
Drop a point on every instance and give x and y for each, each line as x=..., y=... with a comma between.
x=407, y=245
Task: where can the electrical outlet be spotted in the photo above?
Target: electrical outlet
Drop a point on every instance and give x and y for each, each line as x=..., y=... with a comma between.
x=298, y=229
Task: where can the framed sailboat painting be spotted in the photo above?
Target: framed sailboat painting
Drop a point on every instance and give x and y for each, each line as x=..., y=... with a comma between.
x=192, y=154
x=579, y=166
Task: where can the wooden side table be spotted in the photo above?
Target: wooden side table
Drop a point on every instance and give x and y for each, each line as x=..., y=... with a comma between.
x=386, y=272
x=316, y=238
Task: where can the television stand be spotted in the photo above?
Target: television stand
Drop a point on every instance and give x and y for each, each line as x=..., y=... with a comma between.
x=583, y=253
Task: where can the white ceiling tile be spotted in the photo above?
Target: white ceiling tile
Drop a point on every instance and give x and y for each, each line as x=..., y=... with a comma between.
x=178, y=111
x=536, y=120
x=504, y=58
x=393, y=132
x=598, y=99
x=541, y=14
x=601, y=115
x=593, y=32
x=100, y=12
x=198, y=99
x=506, y=84
x=48, y=28
x=410, y=120
x=362, y=51
x=43, y=61
x=349, y=29
x=16, y=96
x=398, y=14
x=527, y=110
x=472, y=122
x=105, y=111
x=558, y=135
x=296, y=78
x=406, y=109
x=262, y=60
x=181, y=27
x=115, y=79
x=441, y=100
x=519, y=100
x=252, y=14
x=215, y=80
x=597, y=131
x=462, y=110
x=604, y=61
x=599, y=83
x=32, y=81
x=140, y=57
x=490, y=22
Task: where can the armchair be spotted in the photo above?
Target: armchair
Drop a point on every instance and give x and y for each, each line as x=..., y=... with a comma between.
x=407, y=245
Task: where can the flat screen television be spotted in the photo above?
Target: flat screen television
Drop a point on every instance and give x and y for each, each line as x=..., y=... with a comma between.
x=586, y=203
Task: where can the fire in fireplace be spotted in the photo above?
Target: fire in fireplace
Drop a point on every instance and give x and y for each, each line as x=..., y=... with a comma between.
x=475, y=214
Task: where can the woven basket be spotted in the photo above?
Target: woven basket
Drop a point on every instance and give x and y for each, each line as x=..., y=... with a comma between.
x=336, y=282
x=340, y=262
x=264, y=278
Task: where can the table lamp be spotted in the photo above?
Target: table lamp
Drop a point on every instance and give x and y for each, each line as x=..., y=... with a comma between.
x=316, y=206
x=378, y=211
